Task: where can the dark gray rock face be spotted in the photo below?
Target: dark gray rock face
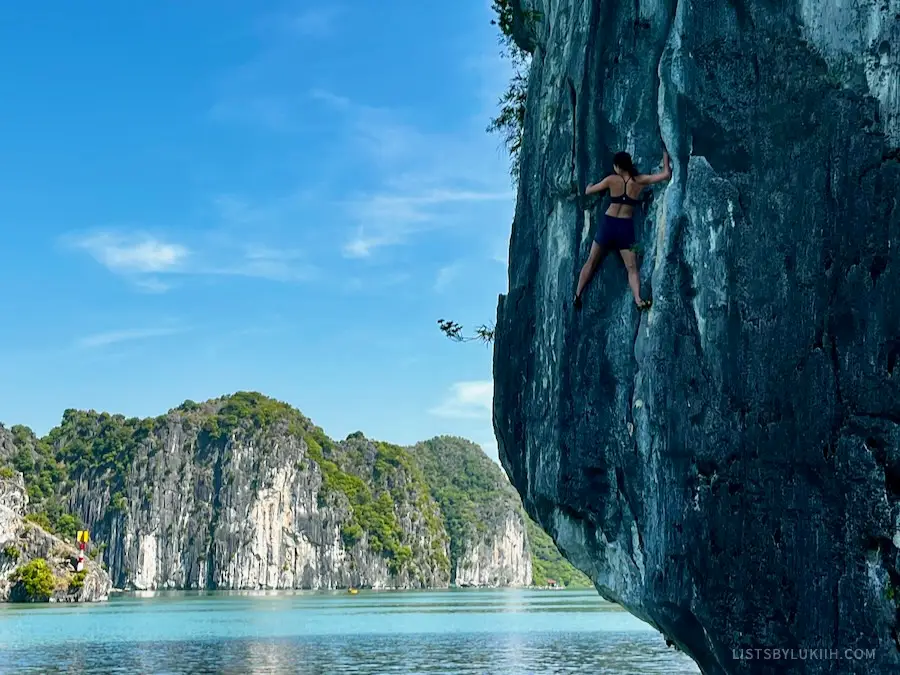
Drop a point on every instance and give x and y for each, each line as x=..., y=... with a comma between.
x=726, y=466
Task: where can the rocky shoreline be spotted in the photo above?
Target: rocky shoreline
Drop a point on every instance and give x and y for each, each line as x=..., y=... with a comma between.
x=36, y=566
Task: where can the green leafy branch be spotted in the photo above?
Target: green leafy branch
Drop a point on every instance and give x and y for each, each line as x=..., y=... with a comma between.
x=510, y=120
x=454, y=330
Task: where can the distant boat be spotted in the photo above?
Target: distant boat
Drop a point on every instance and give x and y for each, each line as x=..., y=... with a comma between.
x=352, y=591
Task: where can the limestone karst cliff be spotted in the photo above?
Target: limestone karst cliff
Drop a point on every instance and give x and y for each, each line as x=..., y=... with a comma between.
x=726, y=466
x=245, y=492
x=489, y=544
x=23, y=542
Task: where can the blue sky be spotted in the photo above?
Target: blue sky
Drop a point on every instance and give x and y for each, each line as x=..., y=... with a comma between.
x=210, y=196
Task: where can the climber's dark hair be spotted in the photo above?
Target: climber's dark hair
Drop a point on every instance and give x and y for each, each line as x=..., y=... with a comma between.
x=623, y=161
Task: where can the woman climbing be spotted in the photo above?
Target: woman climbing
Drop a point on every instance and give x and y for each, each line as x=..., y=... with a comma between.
x=616, y=231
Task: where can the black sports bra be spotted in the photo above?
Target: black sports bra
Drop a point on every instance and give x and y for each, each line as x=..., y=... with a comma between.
x=624, y=198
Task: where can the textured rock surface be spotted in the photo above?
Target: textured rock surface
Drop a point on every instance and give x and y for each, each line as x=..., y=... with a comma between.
x=489, y=543
x=21, y=542
x=246, y=493
x=499, y=557
x=249, y=513
x=726, y=466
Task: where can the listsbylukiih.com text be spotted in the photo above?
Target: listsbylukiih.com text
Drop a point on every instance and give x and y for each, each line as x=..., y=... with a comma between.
x=774, y=654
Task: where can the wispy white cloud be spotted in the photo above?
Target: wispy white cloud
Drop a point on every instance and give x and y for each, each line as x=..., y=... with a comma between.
x=491, y=450
x=446, y=275
x=375, y=284
x=413, y=154
x=427, y=180
x=493, y=73
x=272, y=113
x=254, y=94
x=139, y=253
x=400, y=175
x=501, y=251
x=275, y=265
x=310, y=22
x=143, y=259
x=237, y=213
x=339, y=102
x=151, y=285
x=389, y=219
x=128, y=335
x=314, y=22
x=467, y=400
x=470, y=405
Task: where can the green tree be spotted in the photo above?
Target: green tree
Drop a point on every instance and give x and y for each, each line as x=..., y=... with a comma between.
x=34, y=581
x=66, y=526
x=40, y=519
x=76, y=583
x=510, y=120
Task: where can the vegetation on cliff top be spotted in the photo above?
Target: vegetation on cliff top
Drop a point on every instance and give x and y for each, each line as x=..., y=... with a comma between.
x=245, y=411
x=447, y=482
x=548, y=563
x=510, y=119
x=470, y=489
x=103, y=449
x=509, y=122
x=474, y=495
x=35, y=459
x=371, y=483
x=363, y=484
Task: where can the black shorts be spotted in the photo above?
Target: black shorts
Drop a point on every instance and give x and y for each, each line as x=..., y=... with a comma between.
x=615, y=233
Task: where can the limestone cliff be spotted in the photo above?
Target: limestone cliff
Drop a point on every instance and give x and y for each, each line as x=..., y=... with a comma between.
x=22, y=542
x=499, y=557
x=244, y=492
x=481, y=511
x=726, y=466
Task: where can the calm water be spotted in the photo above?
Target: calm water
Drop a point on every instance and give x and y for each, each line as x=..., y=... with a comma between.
x=458, y=632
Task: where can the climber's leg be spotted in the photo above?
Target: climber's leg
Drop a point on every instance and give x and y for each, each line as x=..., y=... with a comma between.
x=629, y=257
x=596, y=256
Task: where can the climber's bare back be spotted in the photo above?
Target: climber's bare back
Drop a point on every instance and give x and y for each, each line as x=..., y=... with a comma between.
x=633, y=189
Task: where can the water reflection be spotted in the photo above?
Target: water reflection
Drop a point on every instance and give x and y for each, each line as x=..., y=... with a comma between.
x=463, y=633
x=603, y=653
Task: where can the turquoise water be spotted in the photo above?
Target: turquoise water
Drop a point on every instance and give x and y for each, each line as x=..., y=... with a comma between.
x=461, y=632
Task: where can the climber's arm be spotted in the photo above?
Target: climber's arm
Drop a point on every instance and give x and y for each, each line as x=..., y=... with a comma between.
x=651, y=179
x=594, y=188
